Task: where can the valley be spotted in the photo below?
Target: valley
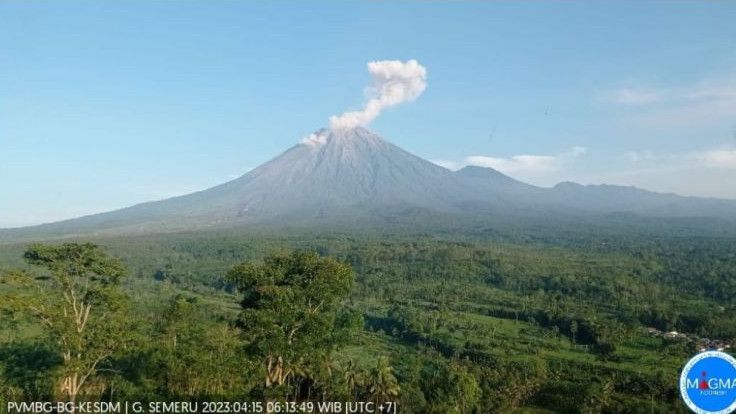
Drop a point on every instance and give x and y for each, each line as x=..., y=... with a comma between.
x=513, y=325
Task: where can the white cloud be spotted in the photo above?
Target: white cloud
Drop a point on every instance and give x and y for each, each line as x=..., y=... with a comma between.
x=517, y=164
x=706, y=172
x=577, y=151
x=633, y=96
x=722, y=158
x=699, y=104
x=636, y=156
x=394, y=82
x=450, y=165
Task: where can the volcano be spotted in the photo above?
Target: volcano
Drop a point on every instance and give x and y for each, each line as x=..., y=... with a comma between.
x=354, y=173
x=328, y=171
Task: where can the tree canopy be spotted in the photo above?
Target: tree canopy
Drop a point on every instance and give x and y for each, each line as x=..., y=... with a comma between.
x=291, y=313
x=78, y=303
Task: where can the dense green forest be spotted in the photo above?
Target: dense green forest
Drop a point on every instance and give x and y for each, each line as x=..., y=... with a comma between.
x=438, y=322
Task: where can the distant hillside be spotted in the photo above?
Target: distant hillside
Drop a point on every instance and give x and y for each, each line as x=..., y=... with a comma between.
x=353, y=175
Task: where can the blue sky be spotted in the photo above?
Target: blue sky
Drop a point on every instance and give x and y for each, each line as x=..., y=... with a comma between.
x=107, y=104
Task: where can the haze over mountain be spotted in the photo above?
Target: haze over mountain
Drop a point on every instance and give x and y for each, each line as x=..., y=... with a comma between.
x=353, y=173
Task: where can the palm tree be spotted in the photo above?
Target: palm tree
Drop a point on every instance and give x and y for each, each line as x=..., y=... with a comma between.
x=383, y=384
x=323, y=377
x=353, y=377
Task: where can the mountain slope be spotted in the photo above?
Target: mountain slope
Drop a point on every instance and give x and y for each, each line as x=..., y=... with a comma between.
x=614, y=198
x=354, y=174
x=329, y=171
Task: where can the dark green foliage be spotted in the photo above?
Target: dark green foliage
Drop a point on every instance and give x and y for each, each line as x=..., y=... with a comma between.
x=72, y=260
x=77, y=304
x=291, y=312
x=185, y=351
x=490, y=321
x=25, y=368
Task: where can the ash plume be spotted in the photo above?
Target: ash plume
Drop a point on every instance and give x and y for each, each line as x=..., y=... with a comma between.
x=393, y=82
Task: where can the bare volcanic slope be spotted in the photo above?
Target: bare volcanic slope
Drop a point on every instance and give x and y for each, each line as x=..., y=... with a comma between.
x=344, y=169
x=353, y=173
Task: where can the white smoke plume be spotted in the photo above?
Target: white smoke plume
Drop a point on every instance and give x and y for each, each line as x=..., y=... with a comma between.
x=394, y=82
x=315, y=139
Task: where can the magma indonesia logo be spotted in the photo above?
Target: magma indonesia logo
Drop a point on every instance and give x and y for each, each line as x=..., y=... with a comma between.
x=708, y=383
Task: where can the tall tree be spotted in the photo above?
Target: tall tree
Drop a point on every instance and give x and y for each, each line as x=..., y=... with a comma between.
x=383, y=384
x=291, y=315
x=78, y=301
x=353, y=377
x=198, y=353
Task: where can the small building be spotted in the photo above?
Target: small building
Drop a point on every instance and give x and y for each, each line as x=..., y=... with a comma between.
x=674, y=335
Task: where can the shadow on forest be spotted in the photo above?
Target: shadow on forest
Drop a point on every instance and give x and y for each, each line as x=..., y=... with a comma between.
x=26, y=368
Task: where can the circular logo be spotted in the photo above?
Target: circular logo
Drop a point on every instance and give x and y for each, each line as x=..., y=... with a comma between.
x=708, y=383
